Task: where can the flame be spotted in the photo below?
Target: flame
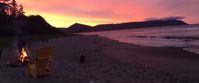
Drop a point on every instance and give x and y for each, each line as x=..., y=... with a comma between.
x=23, y=55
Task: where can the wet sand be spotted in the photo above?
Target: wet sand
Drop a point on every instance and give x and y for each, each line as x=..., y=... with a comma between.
x=169, y=59
x=107, y=61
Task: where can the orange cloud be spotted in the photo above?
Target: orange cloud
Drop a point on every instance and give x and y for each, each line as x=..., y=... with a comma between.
x=63, y=21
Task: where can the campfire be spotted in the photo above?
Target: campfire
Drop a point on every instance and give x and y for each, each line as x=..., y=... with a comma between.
x=22, y=59
x=23, y=56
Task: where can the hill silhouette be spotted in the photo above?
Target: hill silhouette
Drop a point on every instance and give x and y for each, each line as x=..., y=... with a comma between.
x=31, y=25
x=7, y=25
x=77, y=27
x=36, y=24
x=14, y=22
x=153, y=23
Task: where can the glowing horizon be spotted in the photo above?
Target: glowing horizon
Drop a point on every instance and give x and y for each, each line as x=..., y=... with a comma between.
x=63, y=13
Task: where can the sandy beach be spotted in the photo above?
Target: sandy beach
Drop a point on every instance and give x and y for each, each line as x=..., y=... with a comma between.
x=107, y=61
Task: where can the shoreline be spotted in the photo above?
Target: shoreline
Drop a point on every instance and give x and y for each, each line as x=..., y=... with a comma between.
x=104, y=63
x=156, y=37
x=161, y=58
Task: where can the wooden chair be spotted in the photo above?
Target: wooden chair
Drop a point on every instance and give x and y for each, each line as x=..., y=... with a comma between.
x=41, y=65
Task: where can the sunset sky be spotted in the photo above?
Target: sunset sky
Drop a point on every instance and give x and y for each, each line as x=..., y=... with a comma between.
x=63, y=13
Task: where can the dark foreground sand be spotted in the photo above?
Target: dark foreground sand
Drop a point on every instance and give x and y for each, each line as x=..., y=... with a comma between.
x=107, y=61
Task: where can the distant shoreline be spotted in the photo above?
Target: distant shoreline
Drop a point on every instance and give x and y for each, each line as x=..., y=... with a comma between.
x=170, y=36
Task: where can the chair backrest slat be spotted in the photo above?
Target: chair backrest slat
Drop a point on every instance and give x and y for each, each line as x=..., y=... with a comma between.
x=43, y=57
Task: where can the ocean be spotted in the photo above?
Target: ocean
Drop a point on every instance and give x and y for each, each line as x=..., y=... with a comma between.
x=186, y=37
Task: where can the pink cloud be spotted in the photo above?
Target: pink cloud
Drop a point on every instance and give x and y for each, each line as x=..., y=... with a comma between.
x=118, y=10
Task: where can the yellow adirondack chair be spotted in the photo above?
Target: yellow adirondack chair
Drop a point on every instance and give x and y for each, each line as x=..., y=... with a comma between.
x=41, y=66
